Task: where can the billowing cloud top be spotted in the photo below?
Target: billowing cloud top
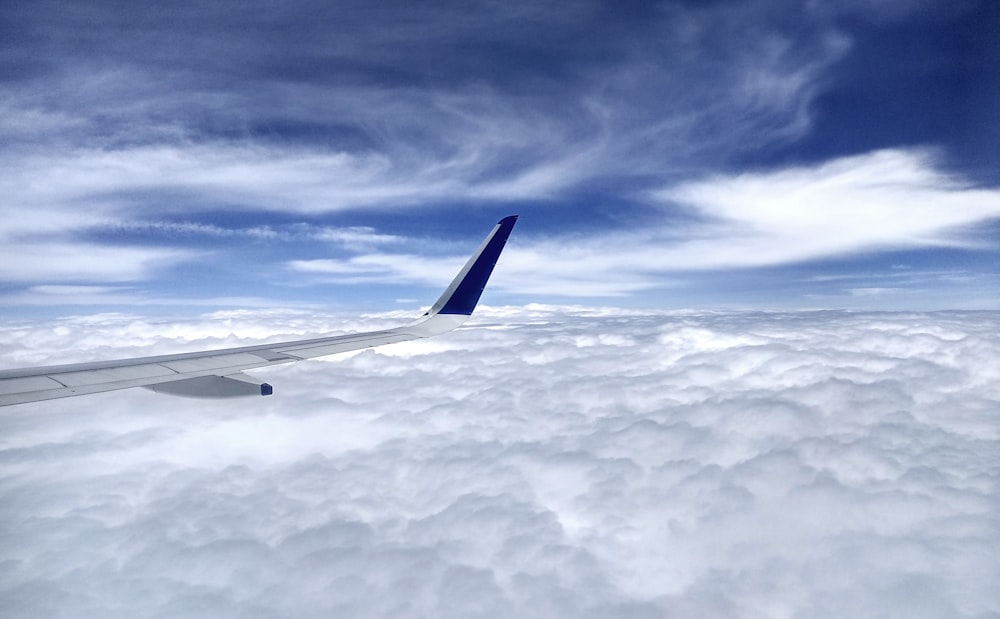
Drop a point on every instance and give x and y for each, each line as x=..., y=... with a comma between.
x=551, y=462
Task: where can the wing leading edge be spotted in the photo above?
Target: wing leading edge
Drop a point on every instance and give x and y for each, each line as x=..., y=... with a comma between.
x=219, y=373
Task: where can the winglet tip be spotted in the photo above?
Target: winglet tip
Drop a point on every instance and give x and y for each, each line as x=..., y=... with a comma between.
x=463, y=294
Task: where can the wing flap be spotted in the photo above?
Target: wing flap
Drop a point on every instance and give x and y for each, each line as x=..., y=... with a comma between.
x=112, y=375
x=26, y=384
x=216, y=362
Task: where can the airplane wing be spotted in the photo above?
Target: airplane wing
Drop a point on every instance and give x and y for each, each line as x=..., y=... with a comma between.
x=219, y=373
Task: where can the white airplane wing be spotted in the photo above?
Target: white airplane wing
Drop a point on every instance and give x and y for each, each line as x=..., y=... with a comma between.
x=219, y=373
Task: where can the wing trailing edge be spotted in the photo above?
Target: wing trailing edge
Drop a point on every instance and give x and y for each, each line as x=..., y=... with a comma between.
x=219, y=373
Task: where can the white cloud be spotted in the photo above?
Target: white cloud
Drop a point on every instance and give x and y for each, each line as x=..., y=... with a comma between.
x=885, y=199
x=281, y=179
x=53, y=295
x=548, y=462
x=64, y=260
x=872, y=291
x=355, y=237
x=382, y=268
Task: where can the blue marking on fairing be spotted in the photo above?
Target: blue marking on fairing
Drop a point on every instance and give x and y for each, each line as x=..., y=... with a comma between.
x=266, y=389
x=467, y=294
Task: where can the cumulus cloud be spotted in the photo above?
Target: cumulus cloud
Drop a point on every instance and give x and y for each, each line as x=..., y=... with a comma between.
x=549, y=461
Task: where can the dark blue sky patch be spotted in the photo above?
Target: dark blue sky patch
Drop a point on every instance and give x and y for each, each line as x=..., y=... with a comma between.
x=928, y=80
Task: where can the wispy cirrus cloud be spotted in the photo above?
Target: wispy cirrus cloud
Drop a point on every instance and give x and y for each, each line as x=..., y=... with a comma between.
x=354, y=237
x=68, y=261
x=76, y=295
x=694, y=82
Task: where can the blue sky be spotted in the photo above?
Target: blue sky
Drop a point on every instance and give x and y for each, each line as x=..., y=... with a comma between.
x=349, y=155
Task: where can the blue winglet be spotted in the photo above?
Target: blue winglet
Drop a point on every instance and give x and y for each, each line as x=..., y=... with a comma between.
x=463, y=294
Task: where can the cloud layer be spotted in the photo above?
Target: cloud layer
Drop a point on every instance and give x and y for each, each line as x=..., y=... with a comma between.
x=549, y=462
